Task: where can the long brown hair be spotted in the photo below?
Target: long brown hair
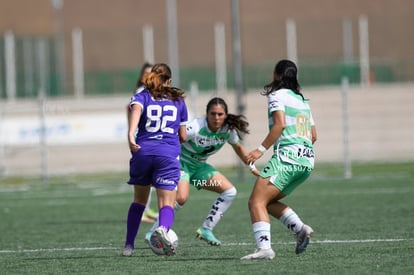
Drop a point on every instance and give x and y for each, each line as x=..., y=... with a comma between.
x=144, y=67
x=155, y=82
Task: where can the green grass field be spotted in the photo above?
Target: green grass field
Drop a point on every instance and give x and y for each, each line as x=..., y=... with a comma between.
x=76, y=224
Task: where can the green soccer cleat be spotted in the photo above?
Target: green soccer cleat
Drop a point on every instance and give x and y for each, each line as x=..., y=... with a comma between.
x=146, y=218
x=147, y=237
x=302, y=238
x=151, y=213
x=208, y=236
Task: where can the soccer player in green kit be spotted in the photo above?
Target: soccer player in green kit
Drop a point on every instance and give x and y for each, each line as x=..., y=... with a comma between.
x=205, y=137
x=292, y=133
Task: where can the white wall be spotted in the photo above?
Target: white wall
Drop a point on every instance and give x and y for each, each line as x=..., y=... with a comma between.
x=90, y=135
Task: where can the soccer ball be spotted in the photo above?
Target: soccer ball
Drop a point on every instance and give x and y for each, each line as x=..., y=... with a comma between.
x=156, y=246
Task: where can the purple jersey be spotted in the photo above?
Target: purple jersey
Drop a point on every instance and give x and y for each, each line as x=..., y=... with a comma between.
x=158, y=125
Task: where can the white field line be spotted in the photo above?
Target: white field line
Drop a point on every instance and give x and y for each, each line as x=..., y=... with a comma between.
x=227, y=244
x=332, y=242
x=58, y=249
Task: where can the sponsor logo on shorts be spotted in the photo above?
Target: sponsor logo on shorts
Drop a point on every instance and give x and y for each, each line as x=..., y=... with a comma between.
x=294, y=168
x=165, y=181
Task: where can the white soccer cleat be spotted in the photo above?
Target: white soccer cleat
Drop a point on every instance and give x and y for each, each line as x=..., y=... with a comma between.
x=160, y=235
x=302, y=238
x=260, y=254
x=128, y=251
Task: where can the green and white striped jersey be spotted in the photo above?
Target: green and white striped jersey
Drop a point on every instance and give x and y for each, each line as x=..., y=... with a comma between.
x=295, y=143
x=202, y=143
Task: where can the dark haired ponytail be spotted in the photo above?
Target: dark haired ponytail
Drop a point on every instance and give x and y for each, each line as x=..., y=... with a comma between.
x=284, y=76
x=238, y=123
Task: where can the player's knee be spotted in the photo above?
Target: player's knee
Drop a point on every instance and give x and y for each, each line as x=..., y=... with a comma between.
x=181, y=199
x=229, y=194
x=253, y=205
x=257, y=204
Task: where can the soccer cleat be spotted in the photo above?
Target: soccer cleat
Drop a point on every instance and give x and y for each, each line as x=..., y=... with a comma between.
x=260, y=254
x=302, y=238
x=147, y=237
x=147, y=218
x=160, y=234
x=151, y=214
x=128, y=251
x=207, y=235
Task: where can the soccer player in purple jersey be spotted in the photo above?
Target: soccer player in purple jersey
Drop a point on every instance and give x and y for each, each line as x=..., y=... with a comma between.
x=157, y=126
x=149, y=215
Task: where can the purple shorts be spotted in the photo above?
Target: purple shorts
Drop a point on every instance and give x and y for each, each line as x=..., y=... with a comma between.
x=160, y=171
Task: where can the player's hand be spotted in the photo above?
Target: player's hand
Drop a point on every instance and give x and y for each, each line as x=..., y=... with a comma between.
x=254, y=155
x=133, y=146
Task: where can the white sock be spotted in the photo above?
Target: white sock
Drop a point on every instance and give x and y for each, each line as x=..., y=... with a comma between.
x=219, y=207
x=177, y=206
x=155, y=225
x=261, y=232
x=291, y=220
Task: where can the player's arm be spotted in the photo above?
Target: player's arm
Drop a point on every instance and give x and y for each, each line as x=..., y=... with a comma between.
x=314, y=135
x=240, y=151
x=128, y=113
x=279, y=124
x=182, y=133
x=134, y=117
x=254, y=170
x=243, y=155
x=313, y=130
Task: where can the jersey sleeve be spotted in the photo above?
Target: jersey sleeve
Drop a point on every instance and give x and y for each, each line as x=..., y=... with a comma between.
x=234, y=137
x=192, y=129
x=275, y=102
x=312, y=122
x=184, y=113
x=138, y=98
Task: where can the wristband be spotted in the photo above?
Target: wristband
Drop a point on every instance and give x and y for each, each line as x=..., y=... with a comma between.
x=252, y=166
x=261, y=148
